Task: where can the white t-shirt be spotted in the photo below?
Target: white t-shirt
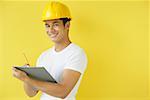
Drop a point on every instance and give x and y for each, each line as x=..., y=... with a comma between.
x=72, y=57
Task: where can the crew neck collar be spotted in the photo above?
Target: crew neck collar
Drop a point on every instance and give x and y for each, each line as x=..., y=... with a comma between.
x=67, y=47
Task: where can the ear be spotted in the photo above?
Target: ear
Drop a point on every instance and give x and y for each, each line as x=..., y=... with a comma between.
x=67, y=25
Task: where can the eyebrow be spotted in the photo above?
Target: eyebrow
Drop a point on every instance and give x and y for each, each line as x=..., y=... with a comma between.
x=53, y=22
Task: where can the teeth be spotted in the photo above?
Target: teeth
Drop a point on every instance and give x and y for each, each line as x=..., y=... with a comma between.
x=53, y=35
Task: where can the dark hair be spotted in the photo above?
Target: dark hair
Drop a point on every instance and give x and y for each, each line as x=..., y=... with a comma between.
x=65, y=20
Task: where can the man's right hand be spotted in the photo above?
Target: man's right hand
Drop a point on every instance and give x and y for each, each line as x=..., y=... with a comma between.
x=26, y=65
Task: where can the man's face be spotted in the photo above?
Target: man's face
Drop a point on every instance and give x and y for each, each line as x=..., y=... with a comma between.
x=55, y=30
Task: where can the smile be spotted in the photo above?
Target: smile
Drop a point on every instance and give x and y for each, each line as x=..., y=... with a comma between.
x=53, y=35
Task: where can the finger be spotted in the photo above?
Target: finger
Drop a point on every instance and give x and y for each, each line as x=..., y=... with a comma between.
x=15, y=74
x=28, y=64
x=17, y=70
x=20, y=72
x=14, y=69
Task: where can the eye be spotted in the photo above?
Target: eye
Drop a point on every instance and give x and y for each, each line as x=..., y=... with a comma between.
x=47, y=26
x=56, y=24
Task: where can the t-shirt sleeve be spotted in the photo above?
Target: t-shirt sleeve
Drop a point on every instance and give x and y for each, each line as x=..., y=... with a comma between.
x=77, y=62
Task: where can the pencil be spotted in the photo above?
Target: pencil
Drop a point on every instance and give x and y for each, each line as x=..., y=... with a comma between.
x=26, y=59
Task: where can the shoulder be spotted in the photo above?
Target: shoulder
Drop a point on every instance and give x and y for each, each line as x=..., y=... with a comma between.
x=77, y=59
x=76, y=50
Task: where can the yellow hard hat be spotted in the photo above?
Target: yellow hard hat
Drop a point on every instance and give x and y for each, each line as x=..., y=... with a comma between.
x=55, y=10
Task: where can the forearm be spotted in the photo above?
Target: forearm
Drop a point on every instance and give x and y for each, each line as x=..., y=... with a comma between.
x=53, y=89
x=30, y=90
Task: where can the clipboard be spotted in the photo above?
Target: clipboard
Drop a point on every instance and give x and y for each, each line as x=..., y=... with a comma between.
x=38, y=73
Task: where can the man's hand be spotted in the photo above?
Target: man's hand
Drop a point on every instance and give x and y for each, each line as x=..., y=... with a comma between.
x=27, y=65
x=30, y=90
x=19, y=74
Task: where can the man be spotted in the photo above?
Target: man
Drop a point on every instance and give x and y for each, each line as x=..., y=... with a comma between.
x=65, y=61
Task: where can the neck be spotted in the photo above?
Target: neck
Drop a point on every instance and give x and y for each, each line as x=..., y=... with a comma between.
x=61, y=45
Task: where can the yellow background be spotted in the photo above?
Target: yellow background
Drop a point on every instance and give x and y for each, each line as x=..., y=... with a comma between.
x=113, y=33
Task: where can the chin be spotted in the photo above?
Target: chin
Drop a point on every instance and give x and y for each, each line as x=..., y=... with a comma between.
x=56, y=40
